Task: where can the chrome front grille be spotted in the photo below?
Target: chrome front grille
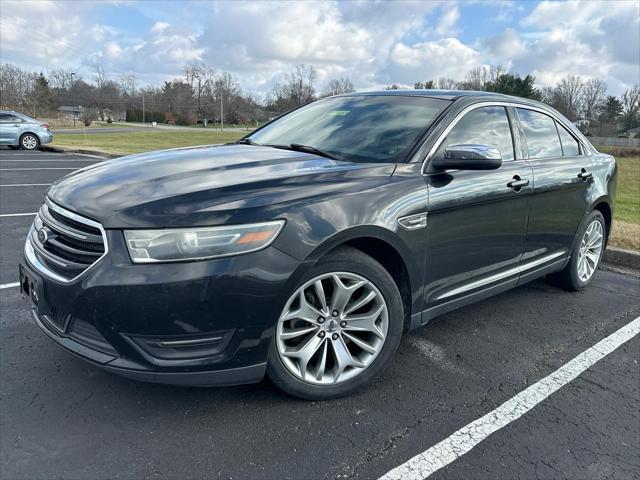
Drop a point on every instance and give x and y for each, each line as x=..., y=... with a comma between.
x=63, y=245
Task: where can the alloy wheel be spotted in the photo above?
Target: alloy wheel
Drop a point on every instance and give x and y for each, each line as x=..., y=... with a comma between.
x=332, y=328
x=29, y=142
x=590, y=250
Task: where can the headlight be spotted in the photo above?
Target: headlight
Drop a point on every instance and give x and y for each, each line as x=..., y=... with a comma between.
x=199, y=243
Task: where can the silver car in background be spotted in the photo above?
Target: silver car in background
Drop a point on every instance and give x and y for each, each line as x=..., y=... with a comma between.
x=20, y=131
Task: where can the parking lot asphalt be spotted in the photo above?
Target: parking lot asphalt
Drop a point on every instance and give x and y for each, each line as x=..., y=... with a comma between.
x=63, y=418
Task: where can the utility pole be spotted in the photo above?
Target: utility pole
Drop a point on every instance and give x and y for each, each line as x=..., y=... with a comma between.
x=221, y=112
x=73, y=100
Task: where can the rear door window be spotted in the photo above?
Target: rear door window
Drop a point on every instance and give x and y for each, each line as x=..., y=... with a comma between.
x=570, y=146
x=482, y=126
x=541, y=134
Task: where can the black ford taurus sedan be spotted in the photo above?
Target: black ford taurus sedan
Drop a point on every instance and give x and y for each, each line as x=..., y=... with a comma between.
x=307, y=248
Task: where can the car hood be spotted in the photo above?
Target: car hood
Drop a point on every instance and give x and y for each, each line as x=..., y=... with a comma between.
x=207, y=185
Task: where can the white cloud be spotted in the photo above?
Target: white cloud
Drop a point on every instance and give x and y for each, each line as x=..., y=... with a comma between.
x=591, y=39
x=372, y=43
x=501, y=49
x=443, y=58
x=448, y=21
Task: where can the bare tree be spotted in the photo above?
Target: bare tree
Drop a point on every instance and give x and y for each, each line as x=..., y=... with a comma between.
x=296, y=90
x=568, y=95
x=631, y=107
x=593, y=97
x=201, y=79
x=226, y=93
x=16, y=87
x=548, y=95
x=474, y=79
x=99, y=99
x=88, y=116
x=60, y=79
x=300, y=83
x=445, y=83
x=477, y=78
x=127, y=84
x=428, y=85
x=337, y=86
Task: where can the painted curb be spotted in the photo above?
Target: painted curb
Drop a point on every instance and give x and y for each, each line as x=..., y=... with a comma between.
x=619, y=256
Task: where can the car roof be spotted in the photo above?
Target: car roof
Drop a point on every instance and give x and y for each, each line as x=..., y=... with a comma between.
x=444, y=94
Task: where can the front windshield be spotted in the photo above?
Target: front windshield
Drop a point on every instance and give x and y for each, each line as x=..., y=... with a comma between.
x=370, y=128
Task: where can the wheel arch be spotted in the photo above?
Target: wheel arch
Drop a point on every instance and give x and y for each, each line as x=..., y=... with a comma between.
x=29, y=133
x=384, y=247
x=603, y=205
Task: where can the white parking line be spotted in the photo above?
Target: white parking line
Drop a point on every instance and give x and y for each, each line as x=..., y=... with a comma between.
x=9, y=285
x=49, y=161
x=35, y=168
x=26, y=185
x=462, y=441
x=91, y=156
x=16, y=214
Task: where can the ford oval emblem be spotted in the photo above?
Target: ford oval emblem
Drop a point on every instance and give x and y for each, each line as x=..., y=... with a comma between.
x=43, y=236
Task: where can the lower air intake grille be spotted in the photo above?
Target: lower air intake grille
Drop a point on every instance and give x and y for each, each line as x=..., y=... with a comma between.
x=86, y=334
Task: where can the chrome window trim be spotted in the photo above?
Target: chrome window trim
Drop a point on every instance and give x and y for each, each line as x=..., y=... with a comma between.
x=496, y=103
x=32, y=259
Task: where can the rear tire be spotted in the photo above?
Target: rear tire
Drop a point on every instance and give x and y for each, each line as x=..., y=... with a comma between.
x=364, y=338
x=587, y=252
x=29, y=141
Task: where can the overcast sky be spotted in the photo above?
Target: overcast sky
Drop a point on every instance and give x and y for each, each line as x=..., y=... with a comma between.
x=373, y=43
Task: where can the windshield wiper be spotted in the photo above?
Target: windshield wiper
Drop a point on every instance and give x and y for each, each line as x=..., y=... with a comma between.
x=306, y=148
x=317, y=151
x=246, y=141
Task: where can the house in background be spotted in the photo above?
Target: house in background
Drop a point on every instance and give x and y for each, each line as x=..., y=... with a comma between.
x=583, y=124
x=70, y=110
x=116, y=116
x=633, y=133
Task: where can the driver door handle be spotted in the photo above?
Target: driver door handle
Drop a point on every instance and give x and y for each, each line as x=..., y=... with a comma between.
x=517, y=183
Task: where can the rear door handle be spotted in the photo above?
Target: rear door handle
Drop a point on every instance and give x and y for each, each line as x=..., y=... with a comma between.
x=584, y=175
x=517, y=183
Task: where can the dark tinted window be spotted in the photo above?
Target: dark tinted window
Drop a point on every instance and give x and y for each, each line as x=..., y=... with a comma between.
x=483, y=126
x=10, y=118
x=376, y=128
x=541, y=134
x=570, y=146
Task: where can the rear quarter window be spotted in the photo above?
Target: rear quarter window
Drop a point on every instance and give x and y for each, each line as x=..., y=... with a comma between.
x=570, y=146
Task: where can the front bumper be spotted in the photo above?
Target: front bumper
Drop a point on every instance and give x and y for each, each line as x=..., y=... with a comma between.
x=197, y=323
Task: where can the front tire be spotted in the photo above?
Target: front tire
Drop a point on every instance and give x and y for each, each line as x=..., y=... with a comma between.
x=338, y=329
x=586, y=255
x=29, y=141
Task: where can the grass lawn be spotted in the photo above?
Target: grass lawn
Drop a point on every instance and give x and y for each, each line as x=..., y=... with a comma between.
x=626, y=217
x=137, y=142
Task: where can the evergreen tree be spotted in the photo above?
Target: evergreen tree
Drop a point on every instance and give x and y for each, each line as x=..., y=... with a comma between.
x=513, y=84
x=43, y=98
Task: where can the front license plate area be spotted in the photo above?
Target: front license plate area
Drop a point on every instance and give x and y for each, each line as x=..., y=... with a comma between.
x=29, y=286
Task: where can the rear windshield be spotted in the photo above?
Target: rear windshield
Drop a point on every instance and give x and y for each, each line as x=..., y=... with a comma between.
x=359, y=128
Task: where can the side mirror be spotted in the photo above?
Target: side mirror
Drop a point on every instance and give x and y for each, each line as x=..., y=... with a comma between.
x=468, y=157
